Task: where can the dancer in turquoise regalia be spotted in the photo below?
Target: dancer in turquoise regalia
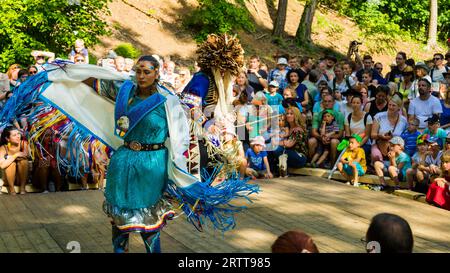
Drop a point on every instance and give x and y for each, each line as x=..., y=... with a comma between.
x=147, y=130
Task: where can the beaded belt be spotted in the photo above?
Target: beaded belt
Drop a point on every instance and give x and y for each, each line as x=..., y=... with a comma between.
x=136, y=146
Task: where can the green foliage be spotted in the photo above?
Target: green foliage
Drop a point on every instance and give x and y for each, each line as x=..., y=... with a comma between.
x=127, y=50
x=410, y=16
x=51, y=25
x=218, y=16
x=92, y=59
x=380, y=33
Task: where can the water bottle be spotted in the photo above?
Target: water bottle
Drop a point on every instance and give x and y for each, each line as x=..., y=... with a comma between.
x=51, y=186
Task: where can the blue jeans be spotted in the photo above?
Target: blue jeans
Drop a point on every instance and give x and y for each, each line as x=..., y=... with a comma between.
x=295, y=160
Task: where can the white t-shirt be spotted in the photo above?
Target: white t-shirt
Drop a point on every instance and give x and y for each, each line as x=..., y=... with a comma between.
x=386, y=126
x=423, y=109
x=342, y=87
x=358, y=127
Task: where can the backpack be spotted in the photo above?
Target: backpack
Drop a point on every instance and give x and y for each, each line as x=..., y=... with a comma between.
x=347, y=81
x=349, y=118
x=432, y=71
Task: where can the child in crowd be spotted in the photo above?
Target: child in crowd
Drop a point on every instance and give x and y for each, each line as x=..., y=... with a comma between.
x=328, y=129
x=433, y=159
x=397, y=165
x=79, y=49
x=447, y=142
x=279, y=134
x=419, y=171
x=275, y=99
x=410, y=136
x=353, y=162
x=258, y=164
x=439, y=191
x=434, y=131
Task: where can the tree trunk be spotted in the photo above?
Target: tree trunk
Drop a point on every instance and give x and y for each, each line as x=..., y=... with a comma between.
x=432, y=29
x=303, y=35
x=280, y=21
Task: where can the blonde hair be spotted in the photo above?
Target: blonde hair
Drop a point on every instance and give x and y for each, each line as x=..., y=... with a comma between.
x=444, y=159
x=298, y=118
x=293, y=92
x=10, y=70
x=397, y=100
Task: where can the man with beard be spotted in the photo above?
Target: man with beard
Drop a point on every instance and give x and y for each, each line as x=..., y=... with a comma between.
x=306, y=65
x=424, y=106
x=367, y=66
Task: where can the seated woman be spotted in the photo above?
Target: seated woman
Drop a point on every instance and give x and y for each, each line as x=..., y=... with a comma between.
x=295, y=145
x=14, y=159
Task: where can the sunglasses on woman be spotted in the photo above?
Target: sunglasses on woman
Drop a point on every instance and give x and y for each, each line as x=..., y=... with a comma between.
x=31, y=72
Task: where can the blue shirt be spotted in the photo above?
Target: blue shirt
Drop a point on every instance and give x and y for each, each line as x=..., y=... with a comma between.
x=274, y=100
x=256, y=160
x=445, y=116
x=403, y=158
x=410, y=141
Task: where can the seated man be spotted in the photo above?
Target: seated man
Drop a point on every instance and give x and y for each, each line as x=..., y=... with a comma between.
x=328, y=102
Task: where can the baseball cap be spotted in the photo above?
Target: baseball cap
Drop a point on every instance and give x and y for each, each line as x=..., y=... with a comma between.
x=258, y=140
x=427, y=78
x=433, y=119
x=282, y=61
x=397, y=141
x=274, y=84
x=357, y=137
x=432, y=140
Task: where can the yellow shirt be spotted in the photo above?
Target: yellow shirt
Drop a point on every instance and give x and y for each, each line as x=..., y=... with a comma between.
x=352, y=155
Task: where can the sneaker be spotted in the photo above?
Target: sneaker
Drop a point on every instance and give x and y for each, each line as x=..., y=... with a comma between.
x=45, y=192
x=377, y=188
x=348, y=183
x=355, y=184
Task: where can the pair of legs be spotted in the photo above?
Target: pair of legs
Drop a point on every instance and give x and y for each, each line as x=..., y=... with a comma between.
x=416, y=175
x=255, y=174
x=120, y=240
x=350, y=171
x=43, y=174
x=313, y=143
x=319, y=157
x=19, y=169
x=393, y=173
x=295, y=160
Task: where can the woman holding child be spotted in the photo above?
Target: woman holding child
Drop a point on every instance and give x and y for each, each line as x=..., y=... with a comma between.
x=387, y=125
x=295, y=144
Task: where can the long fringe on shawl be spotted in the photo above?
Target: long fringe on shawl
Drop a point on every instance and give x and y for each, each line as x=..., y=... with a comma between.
x=200, y=202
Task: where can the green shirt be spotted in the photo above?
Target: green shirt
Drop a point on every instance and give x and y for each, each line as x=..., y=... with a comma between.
x=317, y=119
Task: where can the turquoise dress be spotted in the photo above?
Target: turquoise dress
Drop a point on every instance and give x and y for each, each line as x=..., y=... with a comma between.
x=136, y=180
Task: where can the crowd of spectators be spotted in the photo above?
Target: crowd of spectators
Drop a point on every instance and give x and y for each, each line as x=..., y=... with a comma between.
x=396, y=124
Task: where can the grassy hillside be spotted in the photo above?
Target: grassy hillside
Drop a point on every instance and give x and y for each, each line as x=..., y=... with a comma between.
x=156, y=27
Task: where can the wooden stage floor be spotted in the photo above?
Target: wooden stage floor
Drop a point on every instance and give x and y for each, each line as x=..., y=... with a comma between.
x=334, y=214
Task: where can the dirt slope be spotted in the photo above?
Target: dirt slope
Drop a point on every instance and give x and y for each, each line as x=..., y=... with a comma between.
x=155, y=27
